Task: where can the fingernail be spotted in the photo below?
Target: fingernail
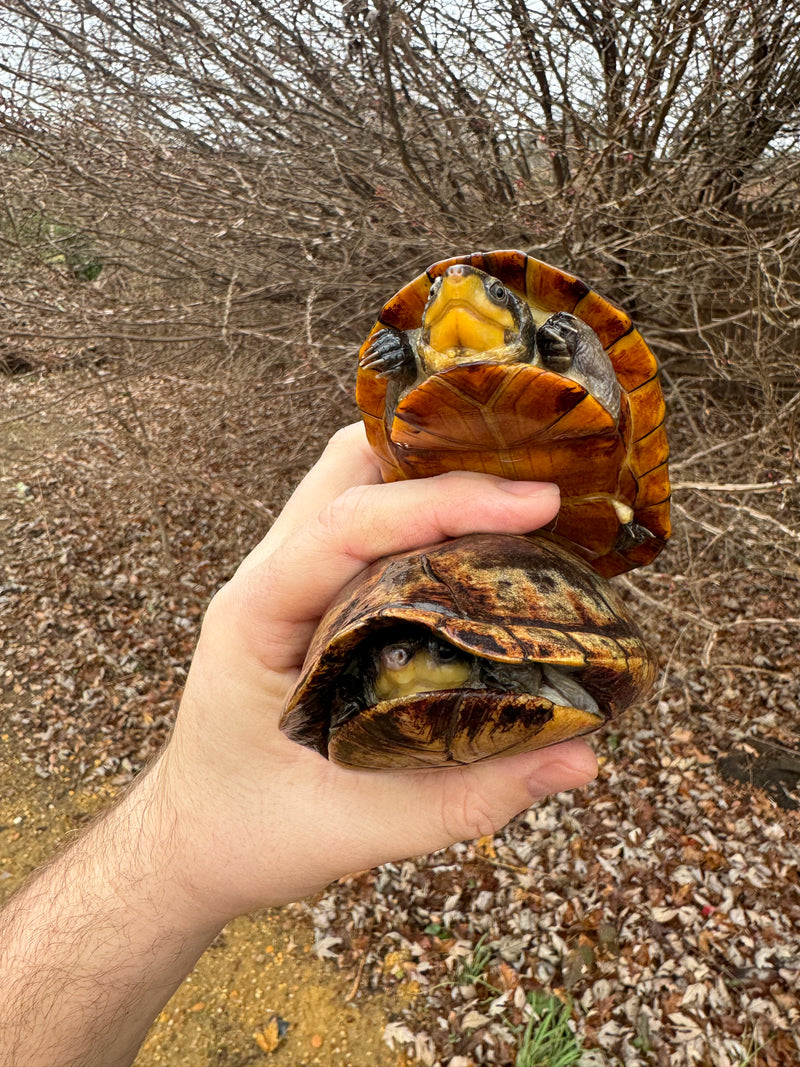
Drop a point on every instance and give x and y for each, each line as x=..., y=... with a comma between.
x=557, y=776
x=529, y=488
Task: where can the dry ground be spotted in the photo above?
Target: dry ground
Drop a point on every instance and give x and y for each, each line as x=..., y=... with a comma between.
x=262, y=969
x=90, y=680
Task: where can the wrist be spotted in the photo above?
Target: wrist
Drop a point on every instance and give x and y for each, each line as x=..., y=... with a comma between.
x=171, y=856
x=108, y=922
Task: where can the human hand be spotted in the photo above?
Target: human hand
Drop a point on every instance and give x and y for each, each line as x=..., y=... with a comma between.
x=233, y=816
x=258, y=820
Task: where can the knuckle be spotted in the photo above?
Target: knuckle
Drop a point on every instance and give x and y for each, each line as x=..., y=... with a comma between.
x=472, y=817
x=347, y=513
x=223, y=605
x=219, y=603
x=340, y=439
x=343, y=440
x=479, y=820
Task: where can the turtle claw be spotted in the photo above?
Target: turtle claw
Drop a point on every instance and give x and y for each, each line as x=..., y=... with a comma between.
x=630, y=535
x=389, y=355
x=557, y=341
x=350, y=700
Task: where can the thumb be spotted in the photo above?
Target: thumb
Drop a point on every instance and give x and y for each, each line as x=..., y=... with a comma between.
x=497, y=790
x=460, y=805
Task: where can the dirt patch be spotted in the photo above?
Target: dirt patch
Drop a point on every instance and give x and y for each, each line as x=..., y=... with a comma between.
x=36, y=815
x=30, y=431
x=259, y=995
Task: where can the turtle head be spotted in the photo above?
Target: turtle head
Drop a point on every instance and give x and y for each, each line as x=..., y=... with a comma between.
x=471, y=316
x=408, y=690
x=415, y=664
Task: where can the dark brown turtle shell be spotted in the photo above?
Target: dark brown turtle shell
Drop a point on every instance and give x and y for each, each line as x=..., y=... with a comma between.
x=502, y=598
x=529, y=423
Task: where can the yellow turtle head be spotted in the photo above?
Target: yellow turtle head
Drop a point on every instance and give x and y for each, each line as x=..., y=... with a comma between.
x=471, y=316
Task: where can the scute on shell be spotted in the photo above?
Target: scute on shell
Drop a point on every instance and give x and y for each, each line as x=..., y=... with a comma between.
x=640, y=450
x=505, y=598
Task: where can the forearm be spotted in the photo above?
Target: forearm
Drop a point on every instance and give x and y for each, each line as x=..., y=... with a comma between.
x=98, y=941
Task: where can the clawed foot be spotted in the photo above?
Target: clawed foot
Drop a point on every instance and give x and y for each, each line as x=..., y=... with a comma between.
x=630, y=535
x=557, y=341
x=389, y=355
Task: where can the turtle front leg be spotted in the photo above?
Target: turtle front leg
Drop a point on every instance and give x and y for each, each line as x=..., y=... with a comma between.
x=350, y=698
x=390, y=355
x=569, y=346
x=557, y=341
x=510, y=678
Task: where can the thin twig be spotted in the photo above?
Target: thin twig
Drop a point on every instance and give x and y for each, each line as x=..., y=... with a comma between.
x=663, y=606
x=354, y=987
x=735, y=487
x=737, y=441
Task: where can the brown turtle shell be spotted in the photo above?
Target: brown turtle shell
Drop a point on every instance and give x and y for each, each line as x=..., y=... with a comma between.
x=531, y=423
x=507, y=599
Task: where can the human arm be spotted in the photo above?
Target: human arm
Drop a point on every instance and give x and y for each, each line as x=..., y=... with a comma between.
x=233, y=816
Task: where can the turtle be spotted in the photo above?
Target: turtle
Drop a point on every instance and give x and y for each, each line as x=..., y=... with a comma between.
x=498, y=362
x=472, y=649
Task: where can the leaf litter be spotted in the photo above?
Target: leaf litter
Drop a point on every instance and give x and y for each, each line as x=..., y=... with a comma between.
x=661, y=904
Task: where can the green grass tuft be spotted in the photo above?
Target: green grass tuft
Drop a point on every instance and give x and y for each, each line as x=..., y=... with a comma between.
x=547, y=1040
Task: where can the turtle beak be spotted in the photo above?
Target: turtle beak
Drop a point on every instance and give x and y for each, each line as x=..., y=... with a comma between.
x=461, y=316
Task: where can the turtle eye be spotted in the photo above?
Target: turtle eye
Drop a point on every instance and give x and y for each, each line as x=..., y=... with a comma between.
x=395, y=657
x=498, y=292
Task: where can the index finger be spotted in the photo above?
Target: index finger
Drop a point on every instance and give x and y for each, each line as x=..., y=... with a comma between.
x=289, y=589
